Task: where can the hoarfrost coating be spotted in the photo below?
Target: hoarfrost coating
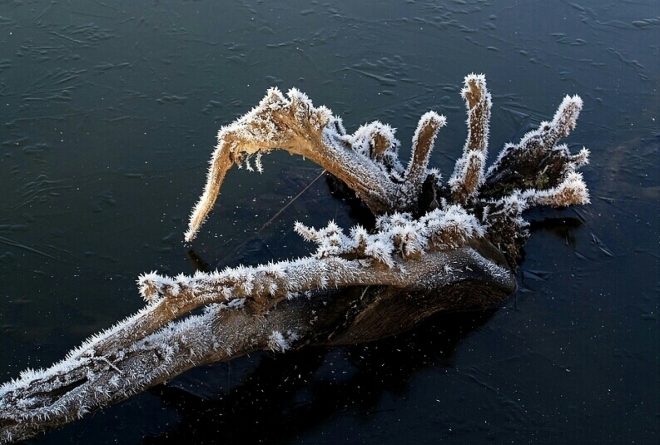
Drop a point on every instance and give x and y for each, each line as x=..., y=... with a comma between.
x=452, y=245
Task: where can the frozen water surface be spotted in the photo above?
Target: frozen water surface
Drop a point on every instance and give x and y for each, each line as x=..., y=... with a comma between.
x=109, y=113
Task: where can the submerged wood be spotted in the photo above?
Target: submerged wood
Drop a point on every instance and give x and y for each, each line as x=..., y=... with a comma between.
x=434, y=247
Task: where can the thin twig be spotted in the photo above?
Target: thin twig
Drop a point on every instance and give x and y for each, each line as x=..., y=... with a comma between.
x=291, y=202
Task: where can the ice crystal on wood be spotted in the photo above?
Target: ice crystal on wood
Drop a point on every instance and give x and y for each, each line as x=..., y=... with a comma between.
x=469, y=170
x=443, y=245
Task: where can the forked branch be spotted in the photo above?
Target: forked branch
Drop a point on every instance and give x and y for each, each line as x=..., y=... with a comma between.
x=434, y=247
x=367, y=160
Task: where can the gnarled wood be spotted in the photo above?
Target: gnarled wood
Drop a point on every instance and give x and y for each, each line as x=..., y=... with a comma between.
x=434, y=247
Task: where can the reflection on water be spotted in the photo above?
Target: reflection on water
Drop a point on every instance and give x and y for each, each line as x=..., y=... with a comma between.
x=109, y=113
x=289, y=396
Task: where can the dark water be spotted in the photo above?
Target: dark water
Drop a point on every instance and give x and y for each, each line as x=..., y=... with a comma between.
x=109, y=112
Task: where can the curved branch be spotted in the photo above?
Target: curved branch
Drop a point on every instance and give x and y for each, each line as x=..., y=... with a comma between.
x=367, y=161
x=295, y=125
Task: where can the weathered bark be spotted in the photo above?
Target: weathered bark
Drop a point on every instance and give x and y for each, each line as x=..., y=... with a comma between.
x=115, y=369
x=434, y=247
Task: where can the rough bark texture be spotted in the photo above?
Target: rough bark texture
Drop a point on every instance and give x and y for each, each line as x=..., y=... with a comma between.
x=434, y=247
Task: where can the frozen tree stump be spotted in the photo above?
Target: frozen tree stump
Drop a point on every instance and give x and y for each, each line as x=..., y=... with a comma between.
x=435, y=246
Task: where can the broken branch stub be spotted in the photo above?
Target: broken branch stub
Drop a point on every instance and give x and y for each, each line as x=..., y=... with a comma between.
x=434, y=247
x=469, y=170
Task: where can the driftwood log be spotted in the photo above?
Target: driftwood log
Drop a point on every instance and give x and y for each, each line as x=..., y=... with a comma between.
x=434, y=246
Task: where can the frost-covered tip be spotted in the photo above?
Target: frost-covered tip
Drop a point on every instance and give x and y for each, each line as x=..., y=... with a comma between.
x=478, y=101
x=567, y=114
x=304, y=110
x=571, y=191
x=409, y=240
x=380, y=250
x=374, y=139
x=449, y=228
x=152, y=286
x=359, y=235
x=468, y=173
x=474, y=90
x=309, y=234
x=217, y=167
x=429, y=123
x=258, y=164
x=331, y=239
x=149, y=286
x=422, y=145
x=279, y=342
x=273, y=99
x=580, y=159
x=298, y=97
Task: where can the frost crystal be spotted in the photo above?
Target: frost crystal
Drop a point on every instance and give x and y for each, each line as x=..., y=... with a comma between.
x=427, y=237
x=279, y=342
x=469, y=170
